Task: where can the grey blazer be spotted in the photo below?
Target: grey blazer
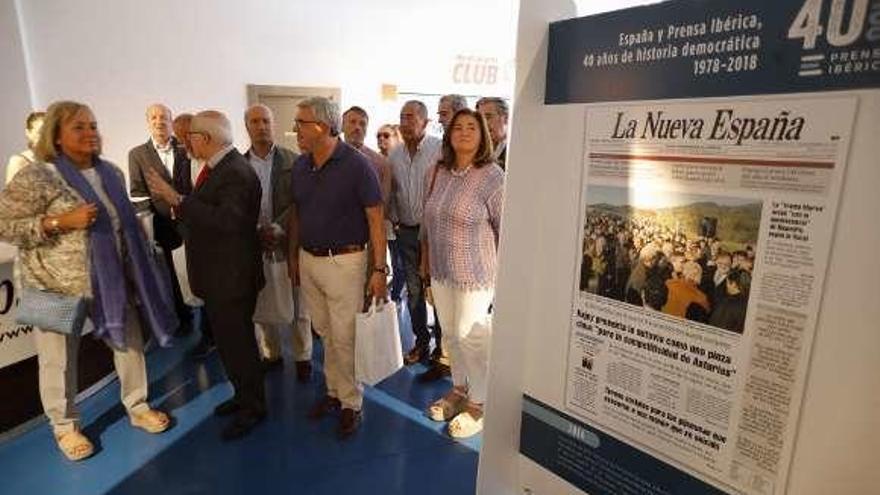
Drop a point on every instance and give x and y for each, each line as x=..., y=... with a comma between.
x=140, y=159
x=282, y=196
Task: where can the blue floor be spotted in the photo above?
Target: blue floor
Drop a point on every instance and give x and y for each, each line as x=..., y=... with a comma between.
x=397, y=450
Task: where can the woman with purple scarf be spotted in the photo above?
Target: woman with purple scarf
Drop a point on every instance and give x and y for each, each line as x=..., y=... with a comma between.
x=78, y=236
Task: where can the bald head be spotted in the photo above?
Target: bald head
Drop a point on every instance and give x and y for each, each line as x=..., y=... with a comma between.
x=260, y=123
x=159, y=122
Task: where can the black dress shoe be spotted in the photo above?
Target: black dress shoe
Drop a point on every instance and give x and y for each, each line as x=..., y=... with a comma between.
x=434, y=373
x=324, y=406
x=304, y=371
x=437, y=354
x=226, y=408
x=415, y=355
x=349, y=421
x=242, y=425
x=272, y=364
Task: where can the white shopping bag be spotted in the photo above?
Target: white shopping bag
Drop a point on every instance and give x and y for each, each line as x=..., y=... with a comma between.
x=275, y=301
x=189, y=298
x=377, y=352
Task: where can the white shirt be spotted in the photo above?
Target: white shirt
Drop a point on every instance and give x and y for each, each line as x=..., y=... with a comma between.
x=166, y=154
x=91, y=175
x=263, y=168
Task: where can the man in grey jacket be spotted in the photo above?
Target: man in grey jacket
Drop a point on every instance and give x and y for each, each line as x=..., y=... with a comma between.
x=273, y=165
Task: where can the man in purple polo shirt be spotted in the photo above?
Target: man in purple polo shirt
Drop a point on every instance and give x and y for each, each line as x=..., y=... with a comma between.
x=337, y=209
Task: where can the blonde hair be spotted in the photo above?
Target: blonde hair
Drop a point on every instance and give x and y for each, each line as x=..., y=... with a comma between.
x=47, y=148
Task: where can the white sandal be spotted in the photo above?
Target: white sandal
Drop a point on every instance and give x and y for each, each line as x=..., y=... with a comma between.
x=468, y=423
x=448, y=406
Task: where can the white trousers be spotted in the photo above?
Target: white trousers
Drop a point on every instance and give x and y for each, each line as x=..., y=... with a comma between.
x=57, y=359
x=467, y=330
x=269, y=336
x=333, y=288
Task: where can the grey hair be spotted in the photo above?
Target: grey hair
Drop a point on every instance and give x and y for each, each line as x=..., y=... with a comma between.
x=458, y=102
x=500, y=104
x=214, y=123
x=255, y=106
x=326, y=111
x=423, y=110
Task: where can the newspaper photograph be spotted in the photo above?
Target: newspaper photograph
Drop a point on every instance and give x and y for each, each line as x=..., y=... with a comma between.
x=706, y=229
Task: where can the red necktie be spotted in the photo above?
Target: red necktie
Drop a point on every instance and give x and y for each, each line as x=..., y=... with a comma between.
x=203, y=175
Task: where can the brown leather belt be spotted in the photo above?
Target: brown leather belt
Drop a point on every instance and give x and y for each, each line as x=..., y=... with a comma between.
x=351, y=248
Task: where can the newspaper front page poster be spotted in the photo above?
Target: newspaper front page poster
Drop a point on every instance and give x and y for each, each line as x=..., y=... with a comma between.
x=706, y=229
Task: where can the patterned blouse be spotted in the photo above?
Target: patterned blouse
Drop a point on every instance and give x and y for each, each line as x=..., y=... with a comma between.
x=52, y=262
x=462, y=217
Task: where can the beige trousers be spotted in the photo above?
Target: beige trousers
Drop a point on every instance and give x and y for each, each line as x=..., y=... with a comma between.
x=269, y=337
x=467, y=331
x=333, y=288
x=57, y=358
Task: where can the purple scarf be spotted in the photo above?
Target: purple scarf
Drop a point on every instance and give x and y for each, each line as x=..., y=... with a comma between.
x=108, y=275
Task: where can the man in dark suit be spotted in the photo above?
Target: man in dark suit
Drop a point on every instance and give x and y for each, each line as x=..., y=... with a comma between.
x=183, y=181
x=224, y=260
x=273, y=165
x=184, y=177
x=496, y=112
x=163, y=155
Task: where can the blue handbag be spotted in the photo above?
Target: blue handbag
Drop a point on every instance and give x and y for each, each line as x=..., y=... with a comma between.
x=51, y=311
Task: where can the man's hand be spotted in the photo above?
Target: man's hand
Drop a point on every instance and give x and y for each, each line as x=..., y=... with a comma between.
x=269, y=236
x=161, y=189
x=378, y=287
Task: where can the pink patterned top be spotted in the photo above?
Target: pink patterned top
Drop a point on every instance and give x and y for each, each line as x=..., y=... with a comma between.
x=461, y=220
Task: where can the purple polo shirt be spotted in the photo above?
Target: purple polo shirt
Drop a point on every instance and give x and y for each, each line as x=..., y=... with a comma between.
x=330, y=201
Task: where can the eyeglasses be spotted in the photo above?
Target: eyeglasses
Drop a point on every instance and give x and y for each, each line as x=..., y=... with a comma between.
x=383, y=135
x=297, y=124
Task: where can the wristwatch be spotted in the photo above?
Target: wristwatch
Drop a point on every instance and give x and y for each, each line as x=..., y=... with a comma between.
x=382, y=269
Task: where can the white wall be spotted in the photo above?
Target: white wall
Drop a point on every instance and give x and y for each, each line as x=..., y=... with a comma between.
x=15, y=97
x=120, y=55
x=839, y=427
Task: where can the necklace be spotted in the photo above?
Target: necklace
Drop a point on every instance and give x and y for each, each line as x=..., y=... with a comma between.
x=462, y=172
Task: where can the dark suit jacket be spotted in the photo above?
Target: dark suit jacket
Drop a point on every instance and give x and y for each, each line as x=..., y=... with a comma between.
x=182, y=180
x=223, y=256
x=140, y=159
x=502, y=158
x=282, y=195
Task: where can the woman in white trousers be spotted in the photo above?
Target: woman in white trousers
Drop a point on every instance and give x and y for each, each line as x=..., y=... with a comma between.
x=460, y=237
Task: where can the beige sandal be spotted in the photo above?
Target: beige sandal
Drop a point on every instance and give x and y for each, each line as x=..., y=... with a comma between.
x=74, y=445
x=151, y=421
x=448, y=406
x=468, y=423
